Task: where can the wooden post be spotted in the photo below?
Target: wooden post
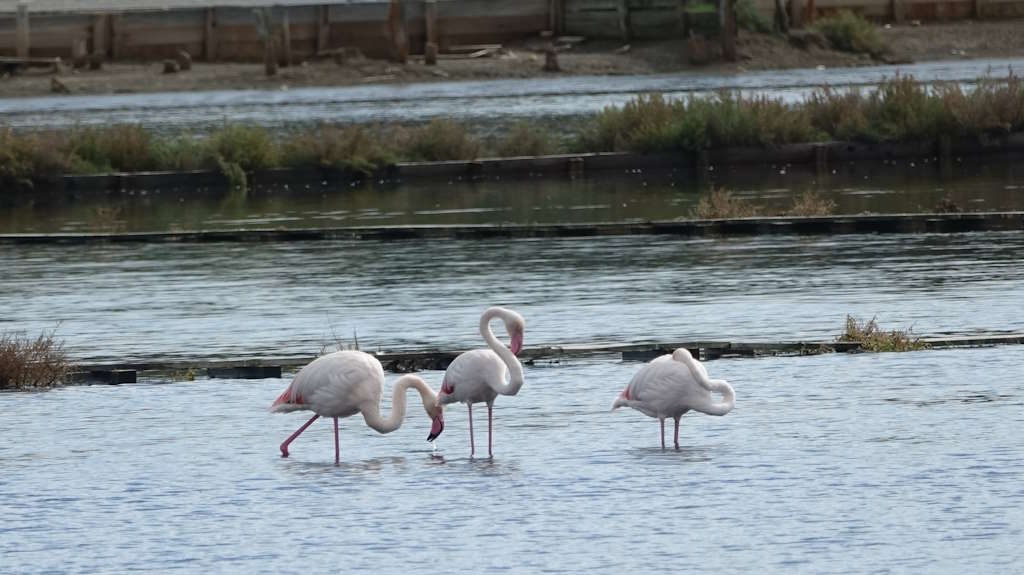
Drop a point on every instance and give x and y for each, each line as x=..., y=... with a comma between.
x=21, y=35
x=323, y=28
x=728, y=15
x=99, y=36
x=286, y=37
x=810, y=12
x=210, y=35
x=896, y=9
x=976, y=9
x=796, y=16
x=431, y=47
x=399, y=34
x=623, y=9
x=556, y=16
x=115, y=37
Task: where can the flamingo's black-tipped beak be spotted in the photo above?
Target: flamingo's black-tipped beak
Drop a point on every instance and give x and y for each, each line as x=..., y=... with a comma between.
x=517, y=343
x=437, y=427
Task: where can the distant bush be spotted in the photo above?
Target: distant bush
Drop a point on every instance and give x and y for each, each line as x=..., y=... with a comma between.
x=850, y=32
x=356, y=148
x=31, y=363
x=872, y=338
x=524, y=139
x=749, y=19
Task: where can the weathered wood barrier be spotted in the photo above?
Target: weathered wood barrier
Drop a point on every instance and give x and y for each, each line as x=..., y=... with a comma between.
x=853, y=224
x=943, y=153
x=403, y=362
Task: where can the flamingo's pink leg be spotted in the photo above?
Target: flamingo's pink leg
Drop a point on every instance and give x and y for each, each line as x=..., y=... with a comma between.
x=337, y=452
x=662, y=433
x=677, y=433
x=472, y=446
x=291, y=438
x=490, y=423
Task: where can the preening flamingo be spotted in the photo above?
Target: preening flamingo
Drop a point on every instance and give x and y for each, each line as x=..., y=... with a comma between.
x=671, y=385
x=348, y=382
x=479, y=375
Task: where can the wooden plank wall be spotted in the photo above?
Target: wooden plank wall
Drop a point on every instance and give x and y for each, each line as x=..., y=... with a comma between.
x=229, y=33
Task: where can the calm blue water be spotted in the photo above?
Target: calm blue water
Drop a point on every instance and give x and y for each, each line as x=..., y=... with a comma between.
x=829, y=464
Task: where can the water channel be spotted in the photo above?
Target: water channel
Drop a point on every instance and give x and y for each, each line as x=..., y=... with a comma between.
x=479, y=102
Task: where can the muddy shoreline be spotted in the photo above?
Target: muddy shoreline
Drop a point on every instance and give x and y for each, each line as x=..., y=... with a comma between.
x=525, y=59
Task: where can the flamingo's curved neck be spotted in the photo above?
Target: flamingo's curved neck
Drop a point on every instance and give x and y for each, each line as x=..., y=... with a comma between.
x=515, y=369
x=371, y=413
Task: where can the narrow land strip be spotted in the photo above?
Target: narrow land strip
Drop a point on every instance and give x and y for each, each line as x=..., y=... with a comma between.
x=402, y=362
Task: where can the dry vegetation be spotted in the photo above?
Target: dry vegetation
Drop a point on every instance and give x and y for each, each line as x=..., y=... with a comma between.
x=898, y=110
x=721, y=204
x=27, y=363
x=872, y=338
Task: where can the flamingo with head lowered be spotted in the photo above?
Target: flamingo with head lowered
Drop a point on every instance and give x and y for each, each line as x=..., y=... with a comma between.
x=671, y=385
x=480, y=375
x=344, y=383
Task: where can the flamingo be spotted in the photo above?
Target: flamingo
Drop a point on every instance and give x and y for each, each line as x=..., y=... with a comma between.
x=344, y=383
x=671, y=385
x=479, y=375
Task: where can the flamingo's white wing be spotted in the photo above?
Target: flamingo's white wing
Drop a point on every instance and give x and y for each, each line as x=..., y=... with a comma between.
x=339, y=383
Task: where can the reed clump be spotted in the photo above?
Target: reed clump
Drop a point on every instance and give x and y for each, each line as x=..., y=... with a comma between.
x=873, y=338
x=721, y=204
x=809, y=204
x=27, y=363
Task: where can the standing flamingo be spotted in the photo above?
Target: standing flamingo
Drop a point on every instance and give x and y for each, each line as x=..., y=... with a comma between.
x=479, y=375
x=344, y=383
x=671, y=385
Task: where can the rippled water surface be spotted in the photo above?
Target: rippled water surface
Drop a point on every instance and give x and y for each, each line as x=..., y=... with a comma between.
x=914, y=185
x=120, y=302
x=828, y=464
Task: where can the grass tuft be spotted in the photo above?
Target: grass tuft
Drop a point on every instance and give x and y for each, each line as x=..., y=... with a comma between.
x=811, y=204
x=31, y=363
x=872, y=338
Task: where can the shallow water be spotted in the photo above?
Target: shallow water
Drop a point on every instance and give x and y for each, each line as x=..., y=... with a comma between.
x=829, y=464
x=122, y=302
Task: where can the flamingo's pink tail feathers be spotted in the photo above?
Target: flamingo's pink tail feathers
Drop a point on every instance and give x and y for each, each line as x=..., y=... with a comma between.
x=286, y=402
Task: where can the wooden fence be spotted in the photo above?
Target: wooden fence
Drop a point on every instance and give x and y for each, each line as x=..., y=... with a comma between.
x=230, y=33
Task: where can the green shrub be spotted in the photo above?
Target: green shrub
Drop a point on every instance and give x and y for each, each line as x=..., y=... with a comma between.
x=436, y=141
x=249, y=147
x=850, y=32
x=350, y=147
x=119, y=148
x=524, y=139
x=749, y=19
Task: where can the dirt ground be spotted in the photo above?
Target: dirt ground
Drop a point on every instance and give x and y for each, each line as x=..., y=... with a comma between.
x=526, y=59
